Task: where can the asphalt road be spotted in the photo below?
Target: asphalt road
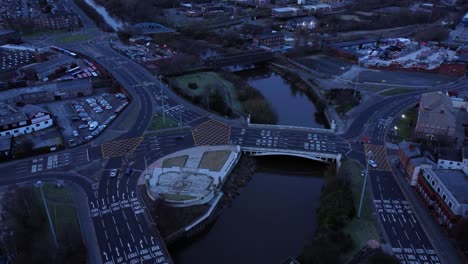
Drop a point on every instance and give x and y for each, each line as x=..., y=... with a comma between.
x=123, y=231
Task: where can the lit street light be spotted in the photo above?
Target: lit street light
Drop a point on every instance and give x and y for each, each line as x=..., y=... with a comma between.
x=403, y=116
x=39, y=184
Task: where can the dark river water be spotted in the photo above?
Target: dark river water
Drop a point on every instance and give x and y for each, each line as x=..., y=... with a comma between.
x=271, y=219
x=291, y=105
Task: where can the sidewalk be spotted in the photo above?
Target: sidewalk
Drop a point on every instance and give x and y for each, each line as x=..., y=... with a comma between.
x=434, y=232
x=86, y=224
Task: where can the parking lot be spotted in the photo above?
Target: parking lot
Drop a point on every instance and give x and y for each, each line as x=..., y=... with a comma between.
x=82, y=119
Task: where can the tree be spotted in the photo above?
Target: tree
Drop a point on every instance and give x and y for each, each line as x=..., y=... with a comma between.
x=382, y=258
x=321, y=251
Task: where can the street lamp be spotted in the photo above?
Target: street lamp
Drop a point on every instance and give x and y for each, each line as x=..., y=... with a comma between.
x=369, y=156
x=357, y=78
x=396, y=128
x=403, y=116
x=162, y=100
x=39, y=184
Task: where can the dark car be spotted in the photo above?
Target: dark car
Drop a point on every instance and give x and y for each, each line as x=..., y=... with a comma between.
x=129, y=171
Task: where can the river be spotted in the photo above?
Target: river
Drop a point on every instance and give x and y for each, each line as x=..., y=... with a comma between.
x=115, y=23
x=292, y=106
x=270, y=220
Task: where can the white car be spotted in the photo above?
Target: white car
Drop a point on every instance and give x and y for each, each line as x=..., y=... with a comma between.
x=113, y=173
x=75, y=133
x=373, y=164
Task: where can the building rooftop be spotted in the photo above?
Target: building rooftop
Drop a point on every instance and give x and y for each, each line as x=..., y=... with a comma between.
x=6, y=31
x=49, y=87
x=13, y=117
x=437, y=108
x=456, y=181
x=151, y=28
x=51, y=64
x=285, y=9
x=422, y=160
x=449, y=154
x=410, y=149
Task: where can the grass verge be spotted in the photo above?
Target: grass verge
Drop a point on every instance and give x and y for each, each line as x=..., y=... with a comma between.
x=158, y=123
x=73, y=38
x=205, y=81
x=61, y=208
x=214, y=160
x=175, y=162
x=406, y=125
x=396, y=91
x=363, y=229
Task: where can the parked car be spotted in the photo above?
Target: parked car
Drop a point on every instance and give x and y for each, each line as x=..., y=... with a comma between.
x=75, y=133
x=113, y=173
x=373, y=164
x=83, y=126
x=129, y=171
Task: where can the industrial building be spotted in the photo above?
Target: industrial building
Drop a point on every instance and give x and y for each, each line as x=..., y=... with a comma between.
x=47, y=92
x=41, y=71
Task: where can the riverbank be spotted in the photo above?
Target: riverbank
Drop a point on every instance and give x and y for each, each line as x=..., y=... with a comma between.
x=264, y=220
x=300, y=85
x=224, y=93
x=172, y=221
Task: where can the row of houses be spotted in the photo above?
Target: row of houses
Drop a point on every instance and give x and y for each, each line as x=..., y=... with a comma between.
x=441, y=186
x=20, y=121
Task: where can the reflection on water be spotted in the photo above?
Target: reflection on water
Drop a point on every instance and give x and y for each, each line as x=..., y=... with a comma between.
x=292, y=106
x=116, y=24
x=270, y=220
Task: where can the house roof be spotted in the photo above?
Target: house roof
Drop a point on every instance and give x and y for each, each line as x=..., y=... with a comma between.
x=422, y=160
x=456, y=182
x=31, y=110
x=437, y=108
x=410, y=149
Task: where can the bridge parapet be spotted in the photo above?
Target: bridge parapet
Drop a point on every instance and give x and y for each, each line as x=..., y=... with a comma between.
x=297, y=128
x=318, y=156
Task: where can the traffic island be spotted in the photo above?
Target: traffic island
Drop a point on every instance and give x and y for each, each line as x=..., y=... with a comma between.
x=183, y=189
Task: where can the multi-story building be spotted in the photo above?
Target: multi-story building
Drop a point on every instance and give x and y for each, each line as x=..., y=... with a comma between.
x=406, y=151
x=444, y=193
x=411, y=161
x=449, y=159
x=61, y=21
x=269, y=39
x=436, y=116
x=26, y=120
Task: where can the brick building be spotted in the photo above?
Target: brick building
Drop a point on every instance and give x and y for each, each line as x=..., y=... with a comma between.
x=269, y=39
x=436, y=116
x=444, y=193
x=406, y=151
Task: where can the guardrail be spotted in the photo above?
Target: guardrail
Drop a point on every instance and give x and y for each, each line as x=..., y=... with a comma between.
x=324, y=155
x=298, y=128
